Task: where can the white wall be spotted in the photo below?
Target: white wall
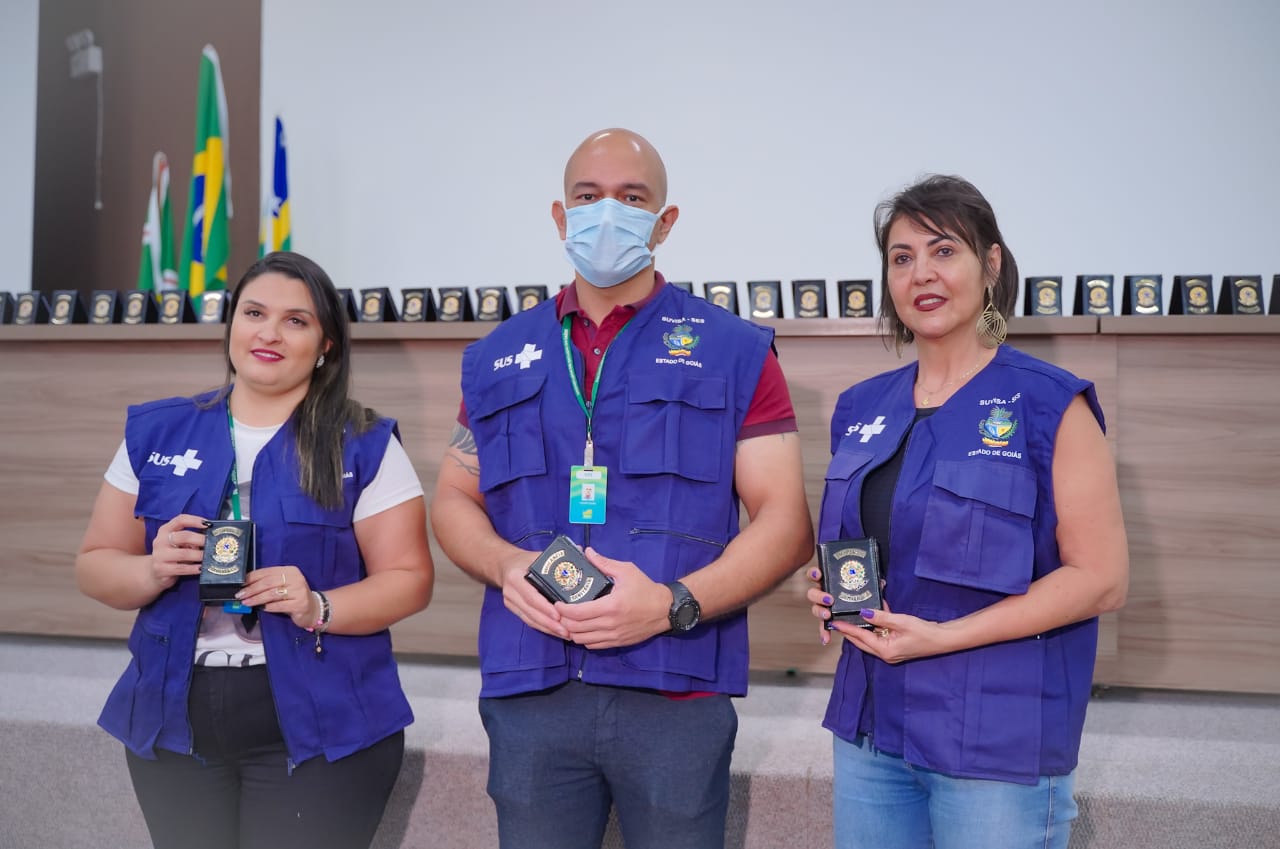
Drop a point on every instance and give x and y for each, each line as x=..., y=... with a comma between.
x=427, y=140
x=19, y=23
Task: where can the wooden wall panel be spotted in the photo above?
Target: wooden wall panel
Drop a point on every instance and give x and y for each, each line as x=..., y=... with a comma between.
x=417, y=384
x=1190, y=416
x=1199, y=469
x=61, y=423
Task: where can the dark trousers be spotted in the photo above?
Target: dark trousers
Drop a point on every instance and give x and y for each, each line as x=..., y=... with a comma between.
x=237, y=792
x=559, y=758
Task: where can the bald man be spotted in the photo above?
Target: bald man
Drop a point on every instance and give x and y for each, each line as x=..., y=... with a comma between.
x=640, y=457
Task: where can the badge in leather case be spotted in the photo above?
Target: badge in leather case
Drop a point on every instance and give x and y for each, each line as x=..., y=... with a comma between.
x=229, y=556
x=851, y=576
x=563, y=573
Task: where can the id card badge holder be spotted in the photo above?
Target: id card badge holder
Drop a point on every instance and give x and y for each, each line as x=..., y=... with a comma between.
x=588, y=491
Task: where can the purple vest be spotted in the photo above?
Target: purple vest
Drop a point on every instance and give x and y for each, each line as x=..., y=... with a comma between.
x=675, y=388
x=973, y=521
x=333, y=704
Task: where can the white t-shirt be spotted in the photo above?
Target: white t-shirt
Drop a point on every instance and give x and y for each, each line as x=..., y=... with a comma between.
x=223, y=639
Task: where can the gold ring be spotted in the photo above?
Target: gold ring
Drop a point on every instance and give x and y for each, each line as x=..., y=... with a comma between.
x=282, y=591
x=884, y=632
x=171, y=545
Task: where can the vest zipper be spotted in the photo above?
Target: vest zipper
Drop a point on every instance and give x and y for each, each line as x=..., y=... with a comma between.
x=638, y=531
x=275, y=702
x=893, y=502
x=262, y=624
x=186, y=695
x=519, y=540
x=911, y=432
x=191, y=667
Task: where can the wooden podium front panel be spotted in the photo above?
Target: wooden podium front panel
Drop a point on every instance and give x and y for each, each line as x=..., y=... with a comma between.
x=1199, y=470
x=62, y=421
x=1190, y=417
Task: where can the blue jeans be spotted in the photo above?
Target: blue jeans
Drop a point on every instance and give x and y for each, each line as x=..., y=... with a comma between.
x=559, y=758
x=882, y=801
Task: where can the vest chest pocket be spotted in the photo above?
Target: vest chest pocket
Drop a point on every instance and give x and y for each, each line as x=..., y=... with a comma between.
x=978, y=529
x=311, y=531
x=674, y=425
x=160, y=499
x=507, y=424
x=840, y=474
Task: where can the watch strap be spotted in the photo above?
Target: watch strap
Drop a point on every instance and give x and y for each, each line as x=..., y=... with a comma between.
x=681, y=598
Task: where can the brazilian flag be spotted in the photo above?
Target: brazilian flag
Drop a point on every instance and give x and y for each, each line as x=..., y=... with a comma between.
x=206, y=243
x=277, y=231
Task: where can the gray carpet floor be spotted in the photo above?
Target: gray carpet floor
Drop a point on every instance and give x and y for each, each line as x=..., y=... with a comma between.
x=1157, y=769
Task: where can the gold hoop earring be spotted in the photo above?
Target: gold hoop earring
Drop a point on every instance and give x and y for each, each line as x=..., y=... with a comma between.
x=993, y=329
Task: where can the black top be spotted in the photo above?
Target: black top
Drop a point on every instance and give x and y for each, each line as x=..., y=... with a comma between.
x=876, y=503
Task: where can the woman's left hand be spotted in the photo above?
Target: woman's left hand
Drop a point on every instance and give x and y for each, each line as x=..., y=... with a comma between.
x=896, y=637
x=281, y=589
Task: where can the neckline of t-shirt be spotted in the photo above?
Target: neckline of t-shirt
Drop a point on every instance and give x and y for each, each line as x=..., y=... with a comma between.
x=257, y=430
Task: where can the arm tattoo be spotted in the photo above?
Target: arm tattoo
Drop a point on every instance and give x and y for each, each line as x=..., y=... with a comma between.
x=462, y=448
x=463, y=440
x=782, y=437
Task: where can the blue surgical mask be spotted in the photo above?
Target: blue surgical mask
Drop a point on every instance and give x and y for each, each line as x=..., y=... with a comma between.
x=608, y=241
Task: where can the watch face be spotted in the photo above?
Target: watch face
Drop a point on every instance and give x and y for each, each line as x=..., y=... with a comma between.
x=685, y=610
x=687, y=615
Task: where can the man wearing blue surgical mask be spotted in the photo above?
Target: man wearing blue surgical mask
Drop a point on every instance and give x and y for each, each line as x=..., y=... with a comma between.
x=610, y=237
x=630, y=417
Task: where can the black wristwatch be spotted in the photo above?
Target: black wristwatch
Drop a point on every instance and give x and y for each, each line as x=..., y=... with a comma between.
x=685, y=612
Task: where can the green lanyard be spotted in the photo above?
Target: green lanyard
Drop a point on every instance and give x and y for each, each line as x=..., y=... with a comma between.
x=247, y=614
x=235, y=482
x=588, y=407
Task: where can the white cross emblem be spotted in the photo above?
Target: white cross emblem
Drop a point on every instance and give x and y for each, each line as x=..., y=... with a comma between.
x=528, y=354
x=870, y=430
x=181, y=463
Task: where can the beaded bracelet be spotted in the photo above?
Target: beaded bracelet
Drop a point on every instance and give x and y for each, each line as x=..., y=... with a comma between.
x=322, y=624
x=326, y=611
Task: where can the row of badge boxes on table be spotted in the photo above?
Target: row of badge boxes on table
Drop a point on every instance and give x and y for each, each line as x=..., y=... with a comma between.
x=1095, y=295
x=453, y=303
